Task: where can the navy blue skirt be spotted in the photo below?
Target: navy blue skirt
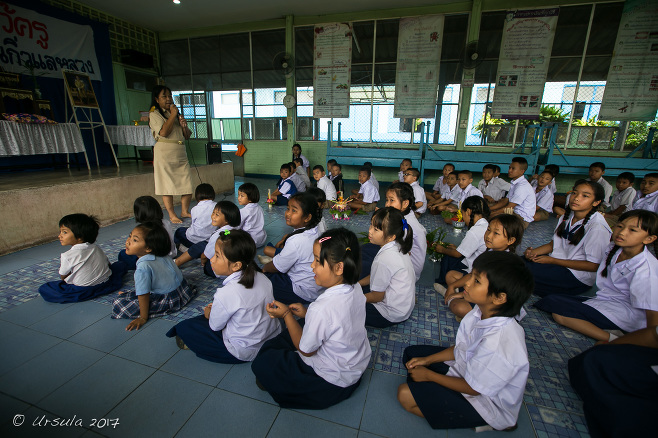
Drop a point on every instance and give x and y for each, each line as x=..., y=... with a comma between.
x=368, y=253
x=449, y=263
x=62, y=292
x=202, y=340
x=574, y=307
x=291, y=383
x=554, y=279
x=375, y=319
x=282, y=288
x=129, y=260
x=443, y=408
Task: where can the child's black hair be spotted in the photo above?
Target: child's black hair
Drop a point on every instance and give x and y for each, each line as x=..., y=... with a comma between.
x=404, y=192
x=156, y=238
x=651, y=175
x=490, y=167
x=414, y=172
x=496, y=168
x=204, y=191
x=391, y=221
x=308, y=203
x=146, y=209
x=409, y=161
x=522, y=161
x=292, y=167
x=468, y=173
x=366, y=170
x=298, y=161
x=554, y=168
x=455, y=173
x=230, y=211
x=300, y=149
x=628, y=176
x=341, y=245
x=512, y=227
x=506, y=273
x=318, y=167
x=598, y=164
x=340, y=167
x=368, y=164
x=82, y=226
x=547, y=171
x=449, y=164
x=477, y=205
x=285, y=166
x=252, y=192
x=332, y=162
x=648, y=222
x=320, y=195
x=239, y=246
x=599, y=194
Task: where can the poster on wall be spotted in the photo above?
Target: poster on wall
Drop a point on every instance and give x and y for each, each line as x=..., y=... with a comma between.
x=525, y=53
x=631, y=90
x=417, y=69
x=332, y=67
x=42, y=45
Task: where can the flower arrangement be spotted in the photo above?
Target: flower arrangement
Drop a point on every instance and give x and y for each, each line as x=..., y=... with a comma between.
x=436, y=237
x=458, y=220
x=270, y=201
x=340, y=209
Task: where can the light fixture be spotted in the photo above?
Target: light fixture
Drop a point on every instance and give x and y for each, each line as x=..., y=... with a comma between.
x=177, y=2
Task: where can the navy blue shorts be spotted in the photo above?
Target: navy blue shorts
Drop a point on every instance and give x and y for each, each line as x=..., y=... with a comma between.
x=282, y=288
x=206, y=343
x=181, y=237
x=554, y=279
x=281, y=200
x=375, y=319
x=449, y=263
x=574, y=307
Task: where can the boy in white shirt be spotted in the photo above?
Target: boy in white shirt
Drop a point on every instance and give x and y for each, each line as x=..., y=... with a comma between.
x=367, y=198
x=555, y=170
x=449, y=195
x=324, y=183
x=464, y=180
x=520, y=200
x=622, y=199
x=596, y=172
x=543, y=196
x=201, y=228
x=372, y=175
x=492, y=188
x=404, y=165
x=301, y=171
x=647, y=197
x=296, y=179
x=411, y=176
x=440, y=184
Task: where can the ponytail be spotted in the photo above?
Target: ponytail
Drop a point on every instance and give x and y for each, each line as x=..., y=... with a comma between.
x=608, y=259
x=391, y=221
x=341, y=245
x=477, y=205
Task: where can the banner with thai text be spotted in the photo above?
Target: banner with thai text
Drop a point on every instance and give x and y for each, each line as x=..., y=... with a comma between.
x=631, y=90
x=525, y=53
x=46, y=45
x=332, y=68
x=417, y=70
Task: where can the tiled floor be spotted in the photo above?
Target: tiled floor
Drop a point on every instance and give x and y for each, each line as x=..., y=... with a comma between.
x=74, y=362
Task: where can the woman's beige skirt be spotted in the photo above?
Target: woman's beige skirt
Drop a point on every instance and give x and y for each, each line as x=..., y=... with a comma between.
x=171, y=169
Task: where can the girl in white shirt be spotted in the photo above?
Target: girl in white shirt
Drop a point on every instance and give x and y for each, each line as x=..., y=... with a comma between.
x=481, y=379
x=318, y=363
x=627, y=296
x=235, y=325
x=568, y=263
x=392, y=279
x=252, y=218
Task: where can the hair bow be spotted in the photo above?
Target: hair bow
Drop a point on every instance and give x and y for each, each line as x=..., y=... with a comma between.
x=405, y=225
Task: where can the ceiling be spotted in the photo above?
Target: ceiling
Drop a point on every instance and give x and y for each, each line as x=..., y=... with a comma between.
x=165, y=16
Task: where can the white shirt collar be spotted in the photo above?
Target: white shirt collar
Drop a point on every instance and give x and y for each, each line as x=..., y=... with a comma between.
x=236, y=276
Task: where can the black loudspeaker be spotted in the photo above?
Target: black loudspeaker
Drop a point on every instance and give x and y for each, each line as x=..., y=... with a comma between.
x=136, y=58
x=214, y=152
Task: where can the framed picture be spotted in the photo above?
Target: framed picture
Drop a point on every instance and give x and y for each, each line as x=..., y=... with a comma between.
x=80, y=91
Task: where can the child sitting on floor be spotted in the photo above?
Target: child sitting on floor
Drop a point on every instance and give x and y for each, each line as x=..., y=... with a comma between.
x=480, y=380
x=147, y=209
x=160, y=288
x=337, y=177
x=596, y=172
x=440, y=184
x=449, y=195
x=373, y=180
x=324, y=183
x=297, y=153
x=201, y=227
x=225, y=216
x=367, y=198
x=301, y=171
x=235, y=325
x=520, y=199
x=465, y=183
x=404, y=165
x=621, y=200
x=543, y=196
x=627, y=295
x=285, y=187
x=319, y=363
x=492, y=188
x=252, y=217
x=411, y=176
x=647, y=197
x=84, y=270
x=296, y=179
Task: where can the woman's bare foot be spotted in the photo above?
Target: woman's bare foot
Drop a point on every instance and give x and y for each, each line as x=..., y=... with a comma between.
x=184, y=215
x=175, y=220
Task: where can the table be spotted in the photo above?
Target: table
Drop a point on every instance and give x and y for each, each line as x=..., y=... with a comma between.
x=131, y=135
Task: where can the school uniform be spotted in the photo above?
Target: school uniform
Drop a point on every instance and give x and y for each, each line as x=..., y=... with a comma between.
x=401, y=176
x=338, y=182
x=554, y=279
x=370, y=195
x=544, y=201
x=334, y=328
x=470, y=248
x=491, y=356
x=607, y=188
x=393, y=273
x=522, y=194
x=163, y=280
x=209, y=248
x=419, y=247
x=469, y=191
x=622, y=297
x=374, y=181
x=301, y=172
x=625, y=198
x=496, y=188
x=451, y=193
x=238, y=325
x=438, y=185
x=328, y=188
x=287, y=188
x=298, y=182
x=131, y=260
x=252, y=221
x=295, y=280
x=322, y=227
x=89, y=275
x=305, y=161
x=201, y=228
x=551, y=186
x=648, y=202
x=419, y=196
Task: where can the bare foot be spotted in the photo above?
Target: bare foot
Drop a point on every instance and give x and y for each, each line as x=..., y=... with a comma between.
x=185, y=215
x=175, y=220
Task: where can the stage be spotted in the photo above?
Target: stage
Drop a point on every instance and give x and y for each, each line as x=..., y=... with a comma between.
x=33, y=202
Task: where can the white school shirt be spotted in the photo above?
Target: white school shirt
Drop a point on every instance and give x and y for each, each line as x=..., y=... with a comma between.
x=87, y=264
x=591, y=248
x=298, y=182
x=170, y=230
x=393, y=273
x=470, y=190
x=301, y=171
x=322, y=227
x=335, y=329
x=401, y=176
x=419, y=247
x=202, y=227
x=419, y=196
x=241, y=316
x=328, y=188
x=496, y=188
x=252, y=220
x=370, y=193
x=473, y=244
x=451, y=193
x=209, y=250
x=629, y=289
x=551, y=186
x=648, y=202
x=545, y=199
x=295, y=260
x=374, y=181
x=438, y=185
x=625, y=197
x=522, y=194
x=491, y=356
x=305, y=161
x=607, y=188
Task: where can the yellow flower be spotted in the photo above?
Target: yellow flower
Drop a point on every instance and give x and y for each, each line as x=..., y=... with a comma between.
x=459, y=216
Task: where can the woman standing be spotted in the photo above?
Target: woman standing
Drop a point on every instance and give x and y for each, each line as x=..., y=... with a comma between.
x=171, y=168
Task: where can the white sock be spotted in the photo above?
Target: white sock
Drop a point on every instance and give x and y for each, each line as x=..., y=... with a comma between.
x=612, y=337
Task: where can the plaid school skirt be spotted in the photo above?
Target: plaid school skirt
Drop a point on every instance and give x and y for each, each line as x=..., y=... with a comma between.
x=127, y=305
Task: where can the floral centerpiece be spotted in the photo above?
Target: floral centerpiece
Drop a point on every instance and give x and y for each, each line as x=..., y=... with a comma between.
x=458, y=220
x=436, y=237
x=270, y=201
x=340, y=210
